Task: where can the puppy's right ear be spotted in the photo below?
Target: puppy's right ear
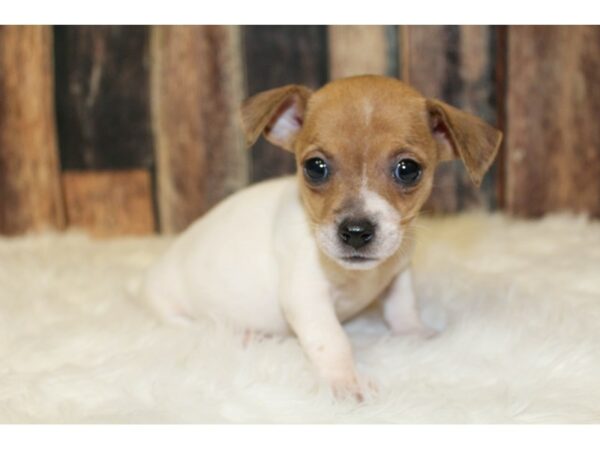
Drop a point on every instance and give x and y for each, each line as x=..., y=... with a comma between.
x=279, y=113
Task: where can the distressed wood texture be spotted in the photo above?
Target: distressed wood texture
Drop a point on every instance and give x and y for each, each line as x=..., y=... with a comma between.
x=454, y=64
x=501, y=74
x=109, y=203
x=275, y=56
x=553, y=157
x=104, y=123
x=357, y=50
x=197, y=87
x=102, y=96
x=30, y=197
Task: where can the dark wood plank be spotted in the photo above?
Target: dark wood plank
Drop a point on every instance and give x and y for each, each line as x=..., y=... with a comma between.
x=30, y=197
x=275, y=56
x=553, y=141
x=102, y=96
x=454, y=64
x=109, y=203
x=197, y=87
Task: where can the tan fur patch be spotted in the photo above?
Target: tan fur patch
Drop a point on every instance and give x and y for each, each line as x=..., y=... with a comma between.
x=362, y=127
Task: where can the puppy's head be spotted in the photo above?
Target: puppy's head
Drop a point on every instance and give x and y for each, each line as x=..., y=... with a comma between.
x=366, y=149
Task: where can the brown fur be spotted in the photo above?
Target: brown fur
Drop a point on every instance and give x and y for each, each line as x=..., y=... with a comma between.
x=366, y=123
x=362, y=127
x=258, y=112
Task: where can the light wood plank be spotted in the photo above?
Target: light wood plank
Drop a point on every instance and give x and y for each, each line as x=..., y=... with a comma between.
x=197, y=88
x=109, y=203
x=553, y=138
x=357, y=50
x=30, y=197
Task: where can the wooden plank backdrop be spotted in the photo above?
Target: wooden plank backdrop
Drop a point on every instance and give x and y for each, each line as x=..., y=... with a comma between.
x=104, y=125
x=146, y=117
x=454, y=64
x=30, y=198
x=197, y=87
x=102, y=86
x=276, y=56
x=109, y=203
x=358, y=50
x=553, y=137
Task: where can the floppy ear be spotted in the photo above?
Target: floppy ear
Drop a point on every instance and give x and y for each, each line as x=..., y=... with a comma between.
x=279, y=113
x=462, y=135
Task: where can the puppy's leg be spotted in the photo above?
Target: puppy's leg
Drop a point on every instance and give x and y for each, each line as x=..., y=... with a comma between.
x=327, y=346
x=400, y=308
x=311, y=315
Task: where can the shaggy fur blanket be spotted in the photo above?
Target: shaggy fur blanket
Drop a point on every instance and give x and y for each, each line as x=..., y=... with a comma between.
x=521, y=302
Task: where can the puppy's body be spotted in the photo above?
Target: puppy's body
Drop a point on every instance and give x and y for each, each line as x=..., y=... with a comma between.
x=225, y=264
x=305, y=253
x=262, y=233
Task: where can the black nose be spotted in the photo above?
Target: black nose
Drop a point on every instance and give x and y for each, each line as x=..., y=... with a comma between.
x=356, y=233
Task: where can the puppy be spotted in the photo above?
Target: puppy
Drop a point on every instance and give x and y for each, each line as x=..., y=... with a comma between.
x=302, y=254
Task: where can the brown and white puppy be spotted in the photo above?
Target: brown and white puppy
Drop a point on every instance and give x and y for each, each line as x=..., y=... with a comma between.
x=303, y=254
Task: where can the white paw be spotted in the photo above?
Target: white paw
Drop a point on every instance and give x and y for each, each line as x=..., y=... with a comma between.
x=434, y=317
x=421, y=330
x=430, y=322
x=250, y=336
x=357, y=387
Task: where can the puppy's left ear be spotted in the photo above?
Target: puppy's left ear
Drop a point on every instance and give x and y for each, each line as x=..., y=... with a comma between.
x=278, y=113
x=462, y=135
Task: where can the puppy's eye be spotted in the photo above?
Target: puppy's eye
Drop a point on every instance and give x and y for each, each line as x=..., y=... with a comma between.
x=316, y=170
x=407, y=172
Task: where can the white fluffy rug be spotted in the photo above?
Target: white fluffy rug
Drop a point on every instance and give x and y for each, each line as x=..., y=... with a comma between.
x=522, y=301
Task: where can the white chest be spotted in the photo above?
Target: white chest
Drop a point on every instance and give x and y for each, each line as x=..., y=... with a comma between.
x=357, y=292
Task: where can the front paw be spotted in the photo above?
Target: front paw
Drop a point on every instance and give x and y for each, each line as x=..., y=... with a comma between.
x=354, y=386
x=420, y=330
x=427, y=324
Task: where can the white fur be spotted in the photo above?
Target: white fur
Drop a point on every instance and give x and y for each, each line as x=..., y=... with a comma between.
x=227, y=264
x=400, y=309
x=521, y=346
x=327, y=239
x=250, y=260
x=389, y=233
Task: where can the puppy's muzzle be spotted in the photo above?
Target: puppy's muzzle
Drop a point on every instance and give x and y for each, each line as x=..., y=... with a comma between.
x=356, y=233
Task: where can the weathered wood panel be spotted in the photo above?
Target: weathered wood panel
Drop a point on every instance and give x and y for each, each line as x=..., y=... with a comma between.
x=197, y=87
x=102, y=87
x=357, y=50
x=553, y=141
x=275, y=56
x=454, y=64
x=30, y=197
x=109, y=203
x=500, y=76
